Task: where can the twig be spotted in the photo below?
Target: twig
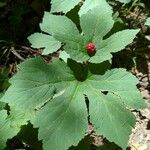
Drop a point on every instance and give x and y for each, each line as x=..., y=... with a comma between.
x=16, y=54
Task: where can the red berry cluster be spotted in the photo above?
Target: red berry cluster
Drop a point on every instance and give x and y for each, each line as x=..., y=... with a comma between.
x=91, y=49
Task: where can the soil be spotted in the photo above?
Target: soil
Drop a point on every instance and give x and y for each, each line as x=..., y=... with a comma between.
x=140, y=138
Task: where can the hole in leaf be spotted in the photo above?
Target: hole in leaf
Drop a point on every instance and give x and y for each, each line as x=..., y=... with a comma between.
x=7, y=107
x=87, y=102
x=105, y=92
x=87, y=106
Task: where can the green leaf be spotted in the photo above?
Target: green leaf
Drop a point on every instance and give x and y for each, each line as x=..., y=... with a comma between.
x=122, y=84
x=147, y=21
x=49, y=96
x=95, y=24
x=31, y=95
x=2, y=104
x=1, y=95
x=4, y=84
x=7, y=129
x=65, y=31
x=35, y=85
x=62, y=28
x=65, y=119
x=64, y=56
x=110, y=118
x=124, y=1
x=108, y=111
x=114, y=43
x=63, y=5
x=91, y=4
x=39, y=40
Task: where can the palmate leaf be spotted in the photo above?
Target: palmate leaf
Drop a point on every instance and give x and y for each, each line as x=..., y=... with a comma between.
x=66, y=5
x=31, y=93
x=108, y=112
x=113, y=44
x=95, y=24
x=41, y=40
x=117, y=81
x=36, y=84
x=61, y=27
x=65, y=119
x=110, y=118
x=65, y=31
x=49, y=96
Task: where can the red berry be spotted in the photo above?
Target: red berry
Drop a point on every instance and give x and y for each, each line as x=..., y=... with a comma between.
x=91, y=49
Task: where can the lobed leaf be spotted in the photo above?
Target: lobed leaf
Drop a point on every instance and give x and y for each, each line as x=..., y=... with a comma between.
x=35, y=84
x=108, y=111
x=51, y=98
x=110, y=118
x=40, y=89
x=95, y=24
x=64, y=120
x=122, y=84
x=39, y=40
x=65, y=31
x=114, y=43
x=61, y=27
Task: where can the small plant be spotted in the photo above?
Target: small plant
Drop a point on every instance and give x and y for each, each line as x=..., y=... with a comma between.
x=53, y=97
